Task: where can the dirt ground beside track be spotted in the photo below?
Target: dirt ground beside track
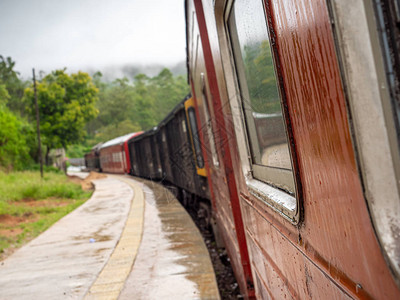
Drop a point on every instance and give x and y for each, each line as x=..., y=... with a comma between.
x=9, y=224
x=9, y=220
x=86, y=183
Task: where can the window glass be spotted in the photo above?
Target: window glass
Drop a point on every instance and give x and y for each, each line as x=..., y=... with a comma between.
x=195, y=136
x=210, y=132
x=183, y=126
x=260, y=95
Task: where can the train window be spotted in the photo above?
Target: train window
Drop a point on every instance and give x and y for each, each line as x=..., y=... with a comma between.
x=195, y=135
x=210, y=133
x=260, y=95
x=183, y=125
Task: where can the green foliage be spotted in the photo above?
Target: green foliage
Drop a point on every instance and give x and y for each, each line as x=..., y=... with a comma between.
x=143, y=111
x=15, y=138
x=47, y=169
x=117, y=102
x=17, y=186
x=77, y=150
x=14, y=86
x=66, y=103
x=4, y=96
x=111, y=131
x=62, y=197
x=168, y=92
x=7, y=74
x=74, y=106
x=126, y=107
x=261, y=79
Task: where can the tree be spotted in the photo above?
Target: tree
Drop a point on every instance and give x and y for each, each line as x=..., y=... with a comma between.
x=261, y=79
x=66, y=103
x=117, y=103
x=125, y=106
x=4, y=96
x=93, y=125
x=15, y=87
x=143, y=110
x=14, y=136
x=168, y=92
x=109, y=132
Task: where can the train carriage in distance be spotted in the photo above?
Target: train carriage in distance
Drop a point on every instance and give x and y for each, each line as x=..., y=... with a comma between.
x=114, y=155
x=298, y=111
x=171, y=152
x=92, y=159
x=144, y=156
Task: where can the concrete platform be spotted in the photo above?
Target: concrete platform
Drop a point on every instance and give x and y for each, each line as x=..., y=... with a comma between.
x=128, y=241
x=173, y=261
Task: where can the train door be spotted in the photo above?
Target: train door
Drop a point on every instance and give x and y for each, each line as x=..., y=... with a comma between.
x=303, y=202
x=218, y=140
x=371, y=70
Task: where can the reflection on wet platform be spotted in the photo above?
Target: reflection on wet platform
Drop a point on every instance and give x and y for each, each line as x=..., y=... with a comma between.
x=173, y=260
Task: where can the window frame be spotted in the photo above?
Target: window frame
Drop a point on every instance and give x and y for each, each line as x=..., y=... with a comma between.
x=192, y=120
x=261, y=187
x=207, y=107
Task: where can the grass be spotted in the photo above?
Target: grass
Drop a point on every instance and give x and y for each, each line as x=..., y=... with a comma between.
x=29, y=205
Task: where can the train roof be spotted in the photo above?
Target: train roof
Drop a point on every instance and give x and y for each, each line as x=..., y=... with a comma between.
x=144, y=135
x=97, y=146
x=120, y=139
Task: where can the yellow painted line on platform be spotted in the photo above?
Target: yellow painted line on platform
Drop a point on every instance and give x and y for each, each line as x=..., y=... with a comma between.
x=111, y=279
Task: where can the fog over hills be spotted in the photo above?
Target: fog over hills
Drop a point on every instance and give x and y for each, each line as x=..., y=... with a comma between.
x=112, y=72
x=129, y=71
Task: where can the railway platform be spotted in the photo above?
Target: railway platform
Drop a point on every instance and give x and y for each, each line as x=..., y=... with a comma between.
x=131, y=240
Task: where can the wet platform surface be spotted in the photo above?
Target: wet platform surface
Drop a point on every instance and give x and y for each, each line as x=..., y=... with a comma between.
x=173, y=261
x=129, y=241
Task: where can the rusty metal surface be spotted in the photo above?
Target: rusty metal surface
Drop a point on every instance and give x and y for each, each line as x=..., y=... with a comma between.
x=173, y=261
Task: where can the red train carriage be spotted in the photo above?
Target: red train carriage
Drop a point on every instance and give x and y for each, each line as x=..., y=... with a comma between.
x=298, y=106
x=114, y=154
x=222, y=183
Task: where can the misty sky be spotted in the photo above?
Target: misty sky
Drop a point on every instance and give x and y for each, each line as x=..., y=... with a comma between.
x=91, y=34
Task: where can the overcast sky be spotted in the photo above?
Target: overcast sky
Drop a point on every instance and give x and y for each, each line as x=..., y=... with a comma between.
x=91, y=34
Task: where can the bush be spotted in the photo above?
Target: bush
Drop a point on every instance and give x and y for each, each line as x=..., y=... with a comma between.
x=77, y=150
x=14, y=150
x=17, y=186
x=19, y=189
x=47, y=169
